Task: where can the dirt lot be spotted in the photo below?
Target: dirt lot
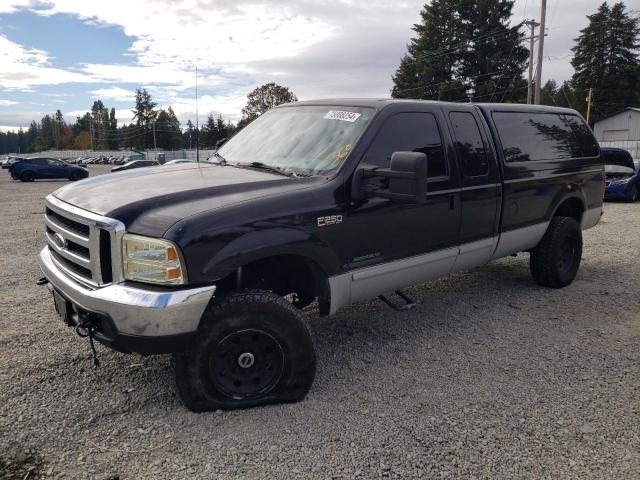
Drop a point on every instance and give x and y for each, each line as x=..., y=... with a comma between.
x=491, y=376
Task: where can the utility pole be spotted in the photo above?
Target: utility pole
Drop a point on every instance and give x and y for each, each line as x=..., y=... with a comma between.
x=154, y=136
x=589, y=104
x=197, y=122
x=543, y=13
x=91, y=130
x=532, y=24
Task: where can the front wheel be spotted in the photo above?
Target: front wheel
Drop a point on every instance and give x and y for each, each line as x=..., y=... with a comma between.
x=633, y=197
x=253, y=348
x=75, y=176
x=554, y=262
x=27, y=176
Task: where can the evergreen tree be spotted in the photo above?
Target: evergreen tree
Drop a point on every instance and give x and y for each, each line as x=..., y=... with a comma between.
x=30, y=138
x=428, y=71
x=168, y=133
x=45, y=139
x=209, y=133
x=59, y=127
x=606, y=59
x=114, y=140
x=144, y=116
x=463, y=50
x=189, y=136
x=100, y=124
x=221, y=130
x=549, y=92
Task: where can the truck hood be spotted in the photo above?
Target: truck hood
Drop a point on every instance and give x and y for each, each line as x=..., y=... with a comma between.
x=150, y=200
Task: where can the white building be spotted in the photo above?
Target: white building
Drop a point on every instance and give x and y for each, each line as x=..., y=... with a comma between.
x=621, y=130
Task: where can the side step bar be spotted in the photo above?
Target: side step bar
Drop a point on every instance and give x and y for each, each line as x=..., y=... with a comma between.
x=407, y=305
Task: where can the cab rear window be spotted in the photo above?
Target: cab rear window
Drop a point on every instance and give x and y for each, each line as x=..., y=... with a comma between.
x=527, y=137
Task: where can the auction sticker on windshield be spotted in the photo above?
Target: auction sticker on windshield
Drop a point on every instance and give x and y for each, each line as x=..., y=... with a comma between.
x=341, y=115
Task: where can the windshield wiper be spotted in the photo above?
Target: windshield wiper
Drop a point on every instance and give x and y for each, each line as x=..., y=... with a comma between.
x=264, y=166
x=222, y=161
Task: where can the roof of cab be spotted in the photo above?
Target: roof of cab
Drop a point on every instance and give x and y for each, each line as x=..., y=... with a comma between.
x=380, y=103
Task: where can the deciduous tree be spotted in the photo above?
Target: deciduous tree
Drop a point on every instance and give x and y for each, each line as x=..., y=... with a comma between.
x=264, y=98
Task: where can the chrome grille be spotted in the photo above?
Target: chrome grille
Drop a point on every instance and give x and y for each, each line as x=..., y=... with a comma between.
x=84, y=245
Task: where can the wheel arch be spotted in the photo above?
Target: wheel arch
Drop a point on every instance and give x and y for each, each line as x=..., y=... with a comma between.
x=27, y=171
x=572, y=206
x=282, y=260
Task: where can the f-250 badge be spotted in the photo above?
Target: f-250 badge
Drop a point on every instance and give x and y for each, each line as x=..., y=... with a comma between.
x=329, y=220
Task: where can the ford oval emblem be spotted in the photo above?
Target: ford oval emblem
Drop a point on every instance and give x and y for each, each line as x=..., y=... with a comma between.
x=60, y=241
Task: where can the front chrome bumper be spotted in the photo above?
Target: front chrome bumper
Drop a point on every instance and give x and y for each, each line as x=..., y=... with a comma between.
x=133, y=311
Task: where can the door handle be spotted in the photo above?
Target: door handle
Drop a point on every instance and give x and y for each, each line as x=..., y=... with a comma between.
x=452, y=202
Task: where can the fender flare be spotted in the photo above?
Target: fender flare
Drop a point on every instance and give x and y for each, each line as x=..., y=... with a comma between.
x=259, y=245
x=562, y=198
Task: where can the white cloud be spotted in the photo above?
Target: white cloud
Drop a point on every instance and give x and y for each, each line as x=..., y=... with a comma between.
x=318, y=48
x=23, y=68
x=12, y=6
x=202, y=32
x=6, y=103
x=114, y=93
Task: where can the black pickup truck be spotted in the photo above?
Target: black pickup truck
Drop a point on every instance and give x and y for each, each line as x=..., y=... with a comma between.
x=334, y=201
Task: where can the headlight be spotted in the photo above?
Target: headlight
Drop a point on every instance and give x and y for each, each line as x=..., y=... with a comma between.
x=151, y=260
x=620, y=181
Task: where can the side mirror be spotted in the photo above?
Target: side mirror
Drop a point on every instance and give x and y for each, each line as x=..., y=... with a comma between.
x=407, y=176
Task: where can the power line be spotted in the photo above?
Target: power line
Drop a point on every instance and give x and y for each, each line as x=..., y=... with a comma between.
x=473, y=77
x=488, y=94
x=450, y=50
x=485, y=37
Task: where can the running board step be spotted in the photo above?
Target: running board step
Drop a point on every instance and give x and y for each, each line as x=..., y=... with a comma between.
x=408, y=302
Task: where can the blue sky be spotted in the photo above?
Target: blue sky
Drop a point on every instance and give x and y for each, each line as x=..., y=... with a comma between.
x=64, y=54
x=69, y=42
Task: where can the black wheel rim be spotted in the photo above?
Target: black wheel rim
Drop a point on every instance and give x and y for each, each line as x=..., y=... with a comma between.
x=567, y=257
x=246, y=363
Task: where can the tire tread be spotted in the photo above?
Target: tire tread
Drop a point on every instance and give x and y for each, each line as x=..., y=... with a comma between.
x=543, y=268
x=189, y=383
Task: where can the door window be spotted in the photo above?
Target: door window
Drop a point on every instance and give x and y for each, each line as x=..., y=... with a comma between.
x=534, y=137
x=470, y=148
x=409, y=132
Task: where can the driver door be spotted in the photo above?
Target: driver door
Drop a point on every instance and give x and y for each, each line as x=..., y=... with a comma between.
x=53, y=168
x=395, y=244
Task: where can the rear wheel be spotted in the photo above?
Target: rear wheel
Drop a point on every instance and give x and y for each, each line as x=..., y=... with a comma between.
x=27, y=176
x=253, y=348
x=555, y=261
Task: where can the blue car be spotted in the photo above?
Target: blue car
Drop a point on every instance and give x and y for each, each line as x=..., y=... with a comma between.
x=30, y=169
x=622, y=175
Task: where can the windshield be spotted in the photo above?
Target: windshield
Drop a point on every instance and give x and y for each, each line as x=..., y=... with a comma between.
x=308, y=139
x=619, y=169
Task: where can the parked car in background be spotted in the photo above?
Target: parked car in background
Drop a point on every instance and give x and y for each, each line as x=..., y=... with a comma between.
x=135, y=164
x=30, y=169
x=6, y=164
x=178, y=160
x=622, y=175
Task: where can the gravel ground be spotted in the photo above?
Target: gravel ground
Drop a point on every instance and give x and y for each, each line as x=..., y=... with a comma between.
x=491, y=376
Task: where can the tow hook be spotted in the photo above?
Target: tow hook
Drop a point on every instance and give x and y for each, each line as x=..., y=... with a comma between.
x=87, y=328
x=42, y=281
